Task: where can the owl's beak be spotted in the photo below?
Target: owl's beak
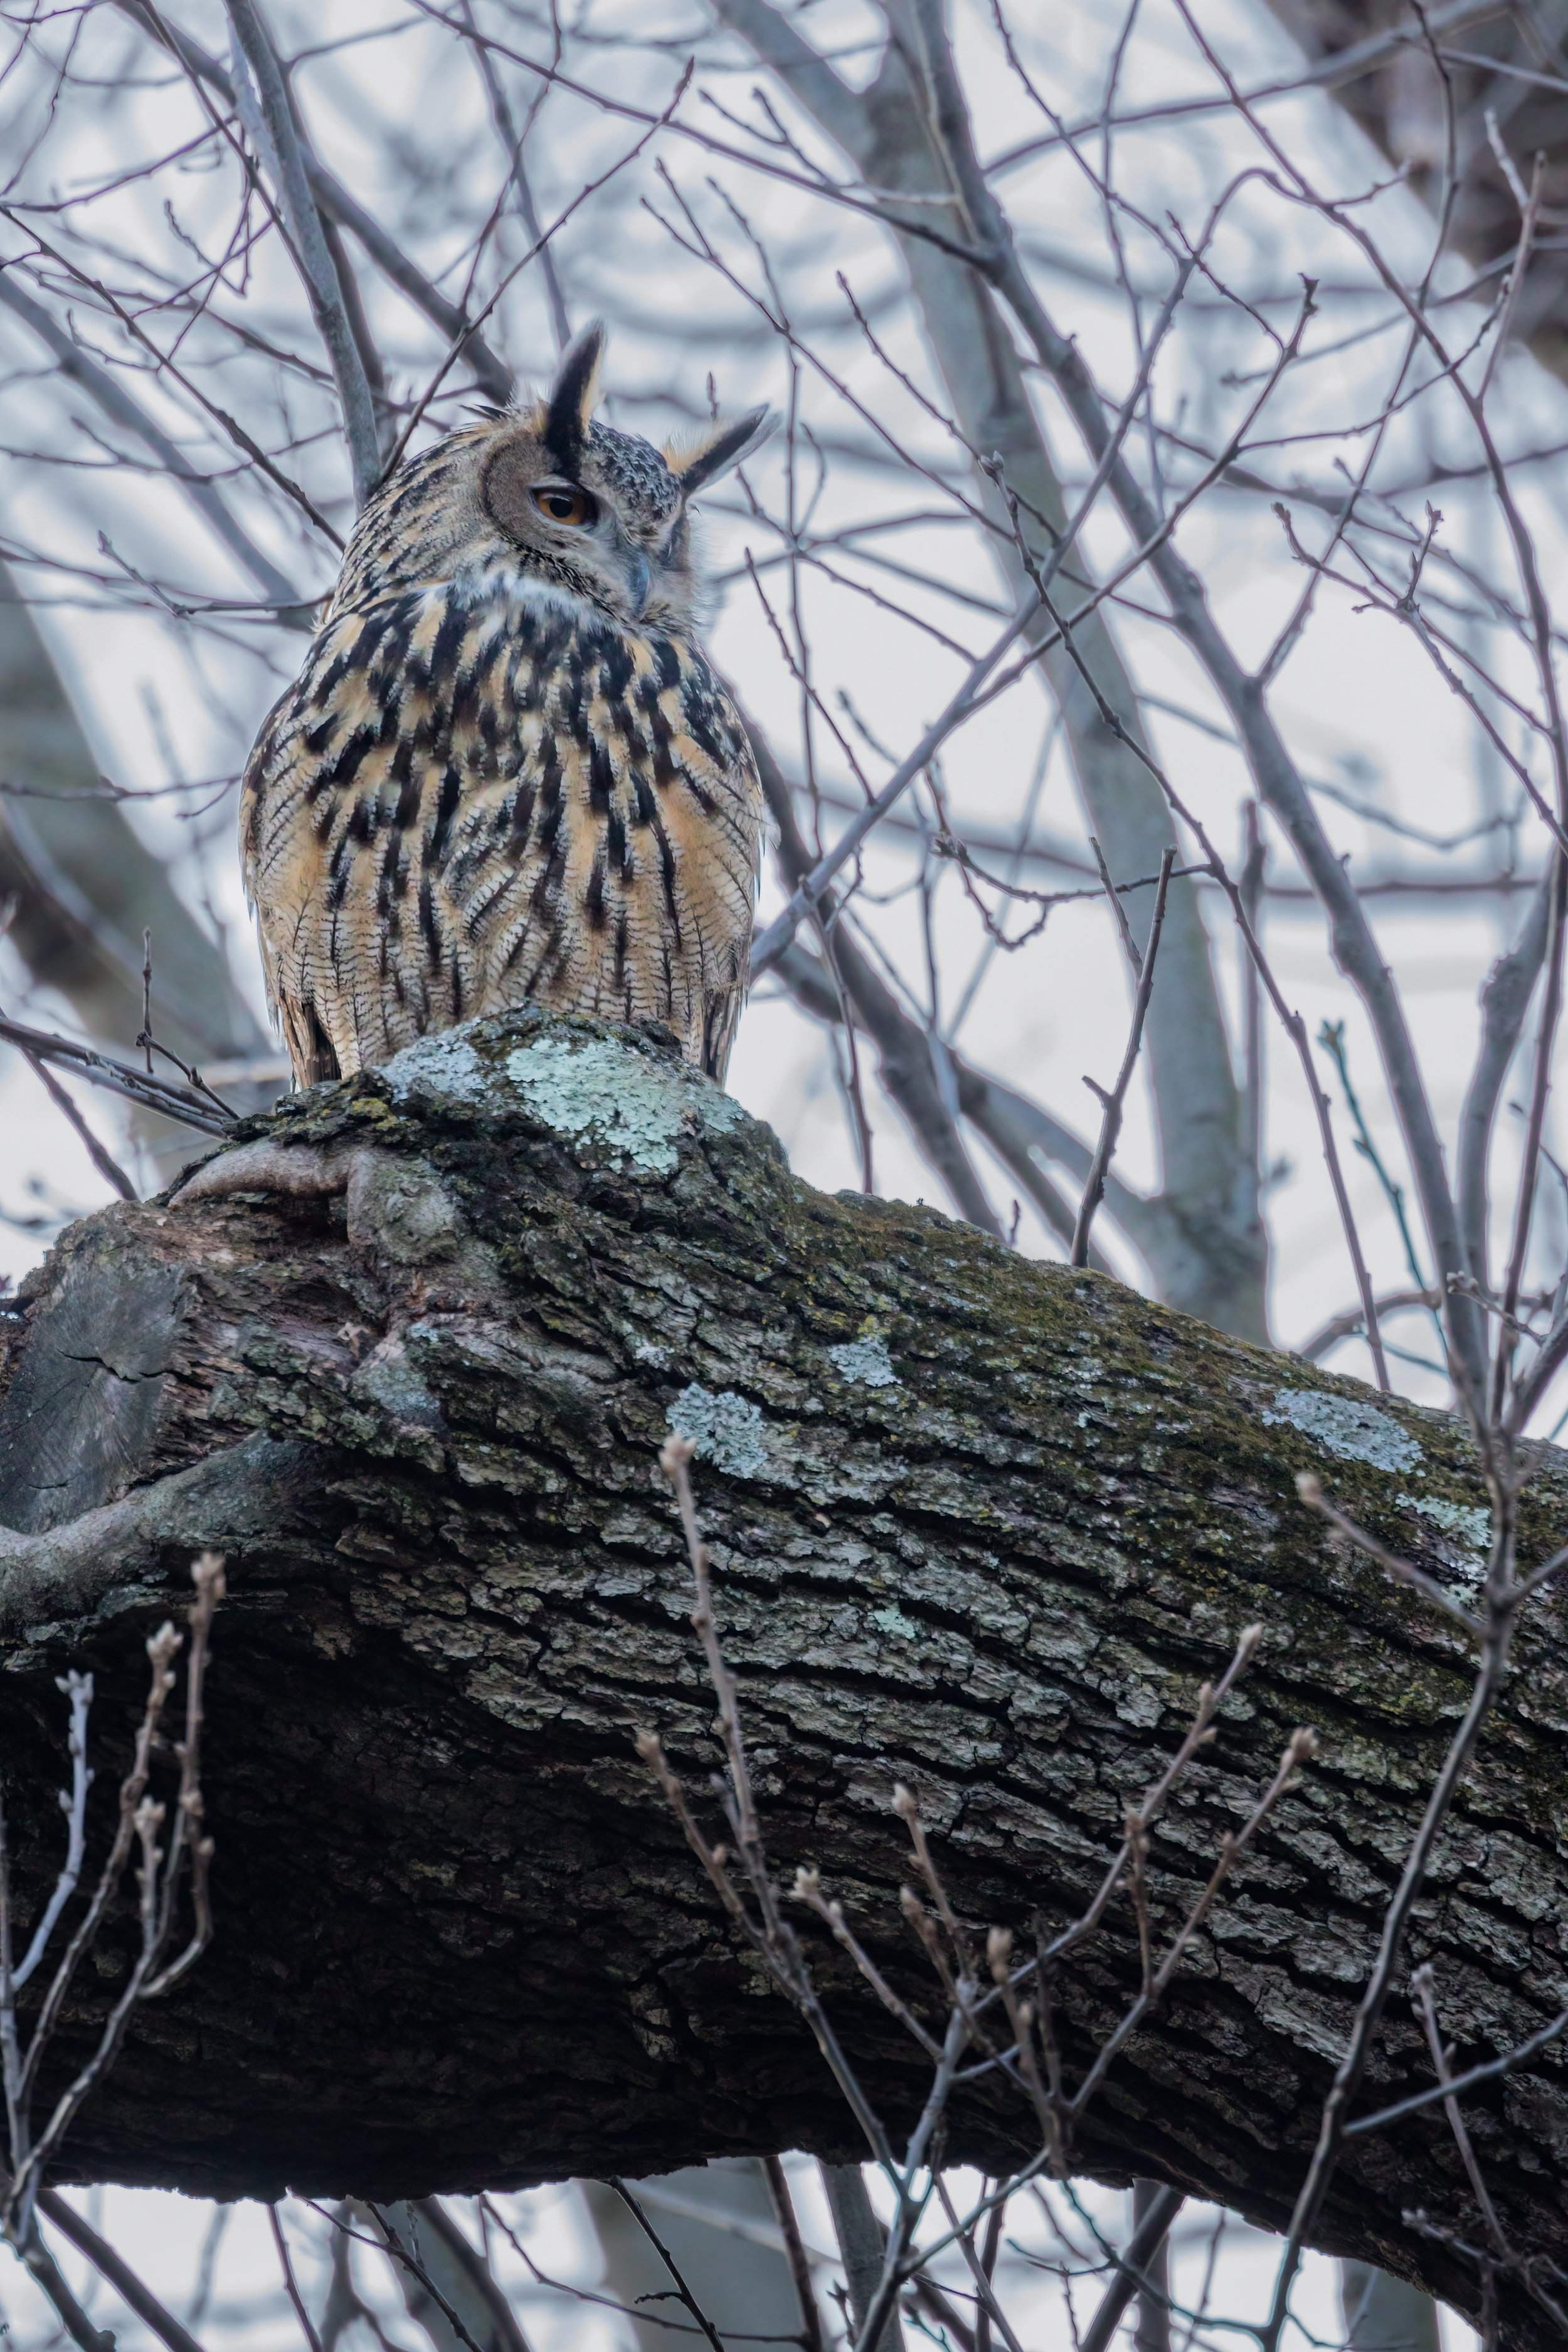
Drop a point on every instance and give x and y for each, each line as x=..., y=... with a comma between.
x=639, y=578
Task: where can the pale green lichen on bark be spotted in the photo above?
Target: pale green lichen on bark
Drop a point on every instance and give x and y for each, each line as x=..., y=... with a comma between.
x=727, y=1430
x=865, y=1359
x=1347, y=1428
x=602, y=1088
x=611, y=1091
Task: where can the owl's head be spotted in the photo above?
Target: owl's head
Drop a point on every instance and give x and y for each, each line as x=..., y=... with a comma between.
x=546, y=495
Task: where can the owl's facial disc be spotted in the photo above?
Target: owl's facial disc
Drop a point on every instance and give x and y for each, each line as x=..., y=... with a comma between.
x=576, y=535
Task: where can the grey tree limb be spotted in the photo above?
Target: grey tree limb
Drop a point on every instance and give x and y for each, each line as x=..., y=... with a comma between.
x=76, y=367
x=311, y=253
x=1278, y=780
x=85, y=887
x=1505, y=1000
x=1135, y=2268
x=1219, y=1270
x=979, y=1524
x=906, y=1067
x=861, y=2242
x=491, y=372
x=1385, y=2315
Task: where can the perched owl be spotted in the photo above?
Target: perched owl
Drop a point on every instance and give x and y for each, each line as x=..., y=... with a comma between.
x=505, y=774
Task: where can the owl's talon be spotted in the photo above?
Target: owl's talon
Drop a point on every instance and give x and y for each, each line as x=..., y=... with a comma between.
x=302, y=1170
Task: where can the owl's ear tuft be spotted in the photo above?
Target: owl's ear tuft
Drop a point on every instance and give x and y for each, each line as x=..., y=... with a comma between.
x=574, y=396
x=728, y=440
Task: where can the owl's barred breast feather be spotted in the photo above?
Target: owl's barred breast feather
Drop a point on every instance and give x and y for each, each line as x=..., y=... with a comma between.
x=489, y=790
x=459, y=809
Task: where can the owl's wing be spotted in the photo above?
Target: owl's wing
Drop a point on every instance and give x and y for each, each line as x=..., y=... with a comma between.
x=722, y=1018
x=281, y=855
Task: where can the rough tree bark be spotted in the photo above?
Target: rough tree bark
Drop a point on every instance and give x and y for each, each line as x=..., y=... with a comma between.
x=981, y=1524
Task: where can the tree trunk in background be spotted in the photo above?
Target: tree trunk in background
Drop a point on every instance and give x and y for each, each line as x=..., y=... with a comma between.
x=1399, y=103
x=86, y=888
x=978, y=1523
x=1211, y=1255
x=1152, y=2331
x=722, y=2248
x=1385, y=2314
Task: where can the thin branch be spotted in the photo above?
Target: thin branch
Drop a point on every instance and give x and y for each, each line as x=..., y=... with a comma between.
x=667, y=2259
x=113, y=2267
x=492, y=375
x=807, y=896
x=108, y=1167
x=1115, y=1102
x=1457, y=2084
x=795, y=2254
x=310, y=252
x=290, y=2284
x=76, y=366
x=185, y=1105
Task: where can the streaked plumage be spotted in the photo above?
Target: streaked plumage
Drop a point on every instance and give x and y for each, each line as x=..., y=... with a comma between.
x=507, y=773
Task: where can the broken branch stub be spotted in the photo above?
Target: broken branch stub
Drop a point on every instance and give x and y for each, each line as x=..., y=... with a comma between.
x=977, y=1525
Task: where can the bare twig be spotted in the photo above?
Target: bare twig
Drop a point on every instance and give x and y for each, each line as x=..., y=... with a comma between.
x=108, y=1167
x=1115, y=1102
x=290, y=2284
x=181, y=1104
x=667, y=2259
x=811, y=2335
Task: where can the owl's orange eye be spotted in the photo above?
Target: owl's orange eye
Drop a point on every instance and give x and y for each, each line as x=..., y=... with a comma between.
x=564, y=502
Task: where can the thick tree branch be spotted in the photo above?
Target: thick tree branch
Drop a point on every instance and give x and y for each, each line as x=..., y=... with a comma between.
x=978, y=1524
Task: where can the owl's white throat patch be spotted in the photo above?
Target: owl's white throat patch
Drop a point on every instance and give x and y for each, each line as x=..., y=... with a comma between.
x=497, y=579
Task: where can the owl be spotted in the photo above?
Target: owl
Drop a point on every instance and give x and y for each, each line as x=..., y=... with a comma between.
x=505, y=774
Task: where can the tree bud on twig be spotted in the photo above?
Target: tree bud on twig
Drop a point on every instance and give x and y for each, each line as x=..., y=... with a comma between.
x=904, y=1805
x=1246, y=1648
x=207, y=1576
x=1310, y=1486
x=999, y=1953
x=162, y=1646
x=675, y=1455
x=1303, y=1745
